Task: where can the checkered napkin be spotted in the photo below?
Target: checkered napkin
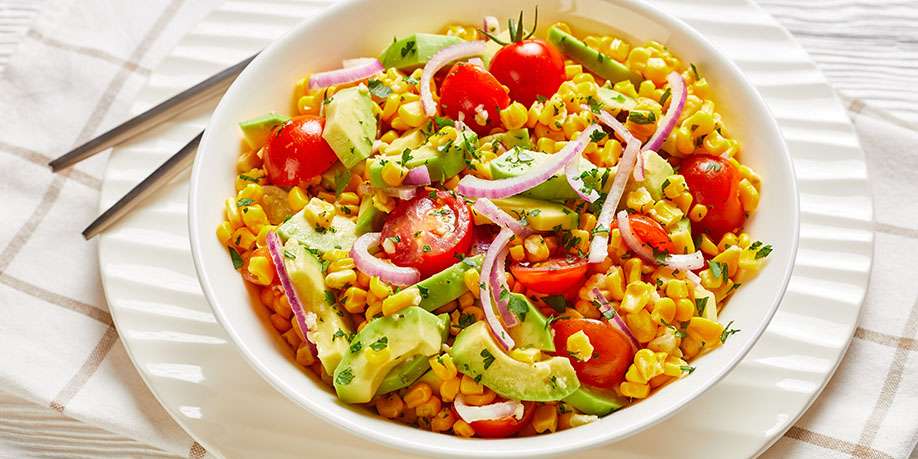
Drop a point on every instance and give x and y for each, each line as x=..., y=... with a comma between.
x=75, y=73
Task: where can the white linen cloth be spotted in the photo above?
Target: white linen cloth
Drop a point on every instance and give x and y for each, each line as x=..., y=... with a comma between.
x=67, y=388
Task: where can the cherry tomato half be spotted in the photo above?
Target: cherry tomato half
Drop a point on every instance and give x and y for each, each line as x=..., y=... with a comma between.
x=429, y=231
x=612, y=351
x=714, y=182
x=297, y=152
x=551, y=277
x=505, y=427
x=530, y=68
x=468, y=88
x=650, y=231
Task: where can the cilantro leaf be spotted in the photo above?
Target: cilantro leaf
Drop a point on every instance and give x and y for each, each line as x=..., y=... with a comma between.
x=378, y=89
x=518, y=307
x=728, y=332
x=237, y=259
x=557, y=302
x=763, y=252
x=245, y=202
x=700, y=304
x=488, y=358
x=641, y=117
x=344, y=377
x=380, y=344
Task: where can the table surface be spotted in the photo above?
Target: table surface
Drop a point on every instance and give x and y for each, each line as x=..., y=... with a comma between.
x=868, y=50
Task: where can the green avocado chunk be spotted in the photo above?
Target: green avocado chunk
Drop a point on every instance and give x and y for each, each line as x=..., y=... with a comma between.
x=533, y=330
x=595, y=402
x=613, y=101
x=415, y=50
x=446, y=285
x=510, y=139
x=656, y=170
x=257, y=130
x=479, y=356
x=350, y=125
x=518, y=161
x=442, y=162
x=331, y=329
x=369, y=218
x=597, y=62
x=539, y=215
x=406, y=373
x=399, y=337
x=341, y=234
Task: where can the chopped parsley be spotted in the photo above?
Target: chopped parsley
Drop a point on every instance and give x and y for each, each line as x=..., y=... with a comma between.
x=465, y=320
x=330, y=297
x=378, y=89
x=719, y=269
x=344, y=377
x=443, y=121
x=639, y=117
x=597, y=135
x=406, y=156
x=518, y=307
x=237, y=259
x=247, y=178
x=763, y=252
x=595, y=104
x=339, y=334
x=695, y=72
x=557, y=302
x=687, y=369
x=426, y=248
x=245, y=202
x=700, y=304
x=659, y=255
x=666, y=95
x=409, y=48
x=424, y=291
x=487, y=357
x=356, y=347
x=728, y=332
x=380, y=344
x=289, y=255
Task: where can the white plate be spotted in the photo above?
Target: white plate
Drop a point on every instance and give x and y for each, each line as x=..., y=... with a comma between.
x=195, y=371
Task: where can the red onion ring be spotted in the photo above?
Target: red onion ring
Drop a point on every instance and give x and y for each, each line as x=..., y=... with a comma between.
x=679, y=95
x=487, y=268
x=404, y=192
x=498, y=283
x=599, y=245
x=492, y=412
x=677, y=262
x=372, y=266
x=441, y=59
x=305, y=319
x=345, y=75
x=614, y=318
x=686, y=262
x=477, y=187
x=486, y=207
x=418, y=176
x=477, y=62
x=490, y=24
x=357, y=61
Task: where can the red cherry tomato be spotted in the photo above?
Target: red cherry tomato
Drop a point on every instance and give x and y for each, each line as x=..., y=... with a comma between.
x=505, y=427
x=650, y=231
x=714, y=182
x=612, y=351
x=429, y=232
x=530, y=68
x=551, y=277
x=468, y=87
x=297, y=151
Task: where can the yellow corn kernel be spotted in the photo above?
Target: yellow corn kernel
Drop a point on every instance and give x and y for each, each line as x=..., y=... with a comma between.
x=676, y=289
x=708, y=247
x=355, y=300
x=691, y=346
x=634, y=375
x=466, y=300
x=642, y=325
x=666, y=213
x=744, y=240
x=231, y=212
x=698, y=212
x=634, y=390
x=615, y=283
x=334, y=255
x=251, y=193
x=401, y=300
x=429, y=408
x=526, y=355
x=664, y=310
x=705, y=330
x=463, y=429
x=248, y=161
x=418, y=394
x=517, y=253
x=261, y=269
x=625, y=87
x=582, y=238
x=726, y=241
x=656, y=69
x=297, y=199
x=469, y=386
x=579, y=346
x=319, y=212
x=648, y=363
x=618, y=49
x=390, y=405
x=536, y=248
x=377, y=357
x=545, y=419
x=485, y=398
x=665, y=342
x=340, y=279
x=715, y=144
x=254, y=217
x=700, y=123
x=514, y=116
x=639, y=200
x=572, y=70
x=224, y=232
x=748, y=195
x=261, y=239
x=390, y=106
x=637, y=294
x=393, y=173
x=730, y=256
x=709, y=280
x=647, y=89
x=683, y=241
x=471, y=278
x=632, y=267
x=449, y=389
x=685, y=309
x=412, y=113
x=382, y=202
x=378, y=288
x=340, y=265
x=243, y=239
x=443, y=366
x=349, y=197
x=674, y=185
x=304, y=356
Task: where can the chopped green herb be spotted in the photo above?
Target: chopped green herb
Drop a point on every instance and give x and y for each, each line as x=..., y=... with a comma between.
x=380, y=344
x=424, y=291
x=518, y=307
x=426, y=248
x=378, y=89
x=339, y=334
x=763, y=252
x=409, y=48
x=245, y=202
x=406, y=156
x=666, y=95
x=595, y=104
x=247, y=178
x=695, y=72
x=728, y=332
x=719, y=269
x=488, y=358
x=289, y=255
x=597, y=135
x=356, y=346
x=344, y=377
x=237, y=259
x=465, y=320
x=687, y=369
x=700, y=304
x=557, y=302
x=641, y=117
x=330, y=297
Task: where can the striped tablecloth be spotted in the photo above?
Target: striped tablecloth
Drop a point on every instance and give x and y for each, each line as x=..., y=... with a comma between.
x=71, y=67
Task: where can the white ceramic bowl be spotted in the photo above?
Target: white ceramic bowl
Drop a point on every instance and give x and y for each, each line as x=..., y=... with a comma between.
x=361, y=28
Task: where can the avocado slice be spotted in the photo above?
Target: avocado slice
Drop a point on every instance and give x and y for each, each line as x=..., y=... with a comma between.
x=369, y=218
x=533, y=330
x=593, y=401
x=331, y=329
x=446, y=285
x=597, y=62
x=518, y=161
x=442, y=162
x=406, y=334
x=409, y=371
x=656, y=170
x=510, y=139
x=257, y=130
x=341, y=234
x=350, y=125
x=540, y=215
x=614, y=102
x=411, y=140
x=477, y=355
x=415, y=50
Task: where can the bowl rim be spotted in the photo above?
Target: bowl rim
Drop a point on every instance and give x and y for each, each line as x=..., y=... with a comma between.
x=353, y=424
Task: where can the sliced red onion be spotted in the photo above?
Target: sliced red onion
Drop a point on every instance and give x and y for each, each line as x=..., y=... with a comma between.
x=372, y=266
x=686, y=262
x=477, y=62
x=498, y=283
x=486, y=207
x=441, y=59
x=490, y=24
x=305, y=319
x=572, y=172
x=599, y=245
x=693, y=278
x=418, y=176
x=614, y=318
x=487, y=267
x=492, y=412
x=345, y=75
x=679, y=94
x=477, y=187
x=357, y=61
x=404, y=192
x=639, y=167
x=677, y=262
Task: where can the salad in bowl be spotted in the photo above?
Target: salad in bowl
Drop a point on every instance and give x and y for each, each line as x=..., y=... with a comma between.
x=489, y=232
